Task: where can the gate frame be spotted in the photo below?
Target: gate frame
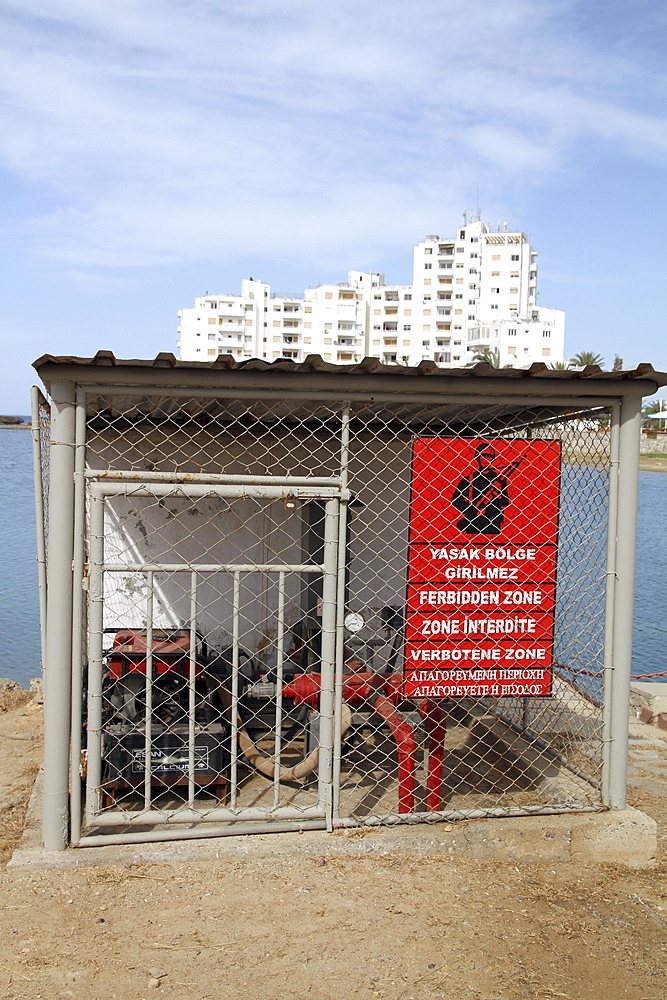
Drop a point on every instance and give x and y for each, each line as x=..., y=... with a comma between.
x=98, y=493
x=69, y=381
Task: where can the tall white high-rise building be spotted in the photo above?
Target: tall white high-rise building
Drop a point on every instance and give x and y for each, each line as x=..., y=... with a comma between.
x=471, y=294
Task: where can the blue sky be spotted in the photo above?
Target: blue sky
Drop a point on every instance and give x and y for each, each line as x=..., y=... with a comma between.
x=152, y=151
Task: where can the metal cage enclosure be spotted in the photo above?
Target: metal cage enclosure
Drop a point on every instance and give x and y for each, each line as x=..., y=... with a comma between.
x=211, y=530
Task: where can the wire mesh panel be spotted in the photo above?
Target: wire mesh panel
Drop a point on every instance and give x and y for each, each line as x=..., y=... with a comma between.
x=216, y=613
x=463, y=756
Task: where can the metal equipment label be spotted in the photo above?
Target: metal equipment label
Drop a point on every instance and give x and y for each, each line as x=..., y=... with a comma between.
x=482, y=568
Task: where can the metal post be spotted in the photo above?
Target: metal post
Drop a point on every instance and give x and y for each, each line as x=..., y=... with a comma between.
x=329, y=588
x=79, y=582
x=610, y=592
x=39, y=515
x=628, y=483
x=340, y=613
x=58, y=660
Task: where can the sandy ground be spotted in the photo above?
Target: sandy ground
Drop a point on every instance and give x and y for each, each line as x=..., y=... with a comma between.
x=653, y=463
x=324, y=927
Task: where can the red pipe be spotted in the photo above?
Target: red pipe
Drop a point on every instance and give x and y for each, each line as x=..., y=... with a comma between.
x=406, y=746
x=437, y=730
x=357, y=689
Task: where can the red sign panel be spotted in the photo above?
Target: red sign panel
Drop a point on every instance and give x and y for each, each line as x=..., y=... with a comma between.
x=482, y=568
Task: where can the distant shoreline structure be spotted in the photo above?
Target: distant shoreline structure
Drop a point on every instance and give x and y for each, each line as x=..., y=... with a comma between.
x=15, y=422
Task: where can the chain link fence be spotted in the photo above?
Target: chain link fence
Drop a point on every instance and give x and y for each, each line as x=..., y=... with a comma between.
x=247, y=570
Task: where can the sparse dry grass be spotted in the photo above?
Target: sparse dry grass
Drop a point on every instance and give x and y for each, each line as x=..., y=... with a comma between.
x=13, y=698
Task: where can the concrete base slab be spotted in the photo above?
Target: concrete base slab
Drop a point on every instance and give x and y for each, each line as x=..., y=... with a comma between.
x=627, y=837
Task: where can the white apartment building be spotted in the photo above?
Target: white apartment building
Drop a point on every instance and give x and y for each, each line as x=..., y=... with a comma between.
x=471, y=293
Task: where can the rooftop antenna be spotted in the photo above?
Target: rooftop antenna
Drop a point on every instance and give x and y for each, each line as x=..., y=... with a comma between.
x=478, y=212
x=465, y=217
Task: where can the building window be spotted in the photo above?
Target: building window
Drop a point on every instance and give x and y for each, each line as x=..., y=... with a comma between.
x=496, y=290
x=408, y=297
x=458, y=296
x=494, y=306
x=428, y=250
x=427, y=267
x=407, y=327
x=474, y=255
x=462, y=234
x=546, y=333
x=426, y=343
x=328, y=295
x=511, y=333
x=211, y=336
x=546, y=352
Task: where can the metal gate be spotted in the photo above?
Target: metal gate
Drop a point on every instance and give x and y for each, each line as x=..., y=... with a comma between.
x=183, y=724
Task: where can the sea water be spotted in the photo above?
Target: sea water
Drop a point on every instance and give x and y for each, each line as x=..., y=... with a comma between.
x=19, y=611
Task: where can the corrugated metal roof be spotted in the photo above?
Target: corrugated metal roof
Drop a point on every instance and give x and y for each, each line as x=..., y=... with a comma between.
x=369, y=366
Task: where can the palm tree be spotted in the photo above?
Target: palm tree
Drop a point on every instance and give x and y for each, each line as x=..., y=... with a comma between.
x=654, y=411
x=560, y=366
x=491, y=357
x=584, y=358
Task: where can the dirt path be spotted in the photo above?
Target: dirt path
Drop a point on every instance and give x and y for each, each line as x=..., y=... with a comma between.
x=396, y=927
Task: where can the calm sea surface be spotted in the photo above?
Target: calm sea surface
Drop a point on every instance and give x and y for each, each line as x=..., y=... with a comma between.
x=19, y=616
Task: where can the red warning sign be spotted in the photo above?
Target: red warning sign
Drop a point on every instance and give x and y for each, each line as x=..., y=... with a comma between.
x=482, y=568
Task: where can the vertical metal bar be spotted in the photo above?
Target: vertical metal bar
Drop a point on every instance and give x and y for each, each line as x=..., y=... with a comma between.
x=329, y=594
x=344, y=446
x=280, y=655
x=79, y=582
x=340, y=614
x=628, y=482
x=95, y=656
x=39, y=515
x=525, y=704
x=340, y=657
x=235, y=688
x=58, y=659
x=148, y=695
x=610, y=590
x=191, y=689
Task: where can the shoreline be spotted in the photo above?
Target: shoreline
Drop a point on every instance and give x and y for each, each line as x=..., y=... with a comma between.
x=653, y=463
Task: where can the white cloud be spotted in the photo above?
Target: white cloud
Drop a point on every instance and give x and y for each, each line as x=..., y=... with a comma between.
x=168, y=132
